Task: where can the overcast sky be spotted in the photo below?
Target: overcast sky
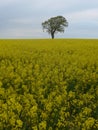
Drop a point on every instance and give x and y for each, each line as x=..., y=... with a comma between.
x=23, y=18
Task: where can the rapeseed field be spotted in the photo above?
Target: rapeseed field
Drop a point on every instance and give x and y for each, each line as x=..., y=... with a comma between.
x=49, y=84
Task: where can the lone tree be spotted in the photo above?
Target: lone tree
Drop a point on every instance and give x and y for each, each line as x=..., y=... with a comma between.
x=55, y=25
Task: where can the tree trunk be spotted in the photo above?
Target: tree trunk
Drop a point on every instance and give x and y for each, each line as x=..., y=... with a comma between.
x=52, y=35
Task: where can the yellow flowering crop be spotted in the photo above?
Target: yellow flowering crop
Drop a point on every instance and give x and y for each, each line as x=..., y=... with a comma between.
x=49, y=84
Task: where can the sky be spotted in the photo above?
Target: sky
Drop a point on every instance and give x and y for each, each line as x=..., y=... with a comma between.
x=22, y=18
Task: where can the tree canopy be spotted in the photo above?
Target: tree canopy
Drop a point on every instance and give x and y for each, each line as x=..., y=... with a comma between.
x=55, y=25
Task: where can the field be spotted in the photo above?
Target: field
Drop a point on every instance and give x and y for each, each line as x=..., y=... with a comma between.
x=49, y=84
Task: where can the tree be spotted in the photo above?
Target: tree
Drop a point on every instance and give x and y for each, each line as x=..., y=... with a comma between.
x=55, y=25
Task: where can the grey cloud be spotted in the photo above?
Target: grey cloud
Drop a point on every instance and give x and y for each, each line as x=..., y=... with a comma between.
x=25, y=17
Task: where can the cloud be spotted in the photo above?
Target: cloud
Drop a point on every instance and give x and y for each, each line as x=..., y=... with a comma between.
x=21, y=33
x=21, y=21
x=85, y=15
x=4, y=3
x=23, y=18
